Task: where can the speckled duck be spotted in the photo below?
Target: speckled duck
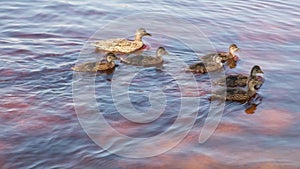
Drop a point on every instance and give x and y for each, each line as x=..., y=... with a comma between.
x=123, y=46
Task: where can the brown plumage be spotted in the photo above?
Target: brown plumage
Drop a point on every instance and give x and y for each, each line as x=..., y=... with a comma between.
x=232, y=62
x=224, y=55
x=238, y=94
x=241, y=80
x=143, y=60
x=97, y=66
x=123, y=46
x=201, y=67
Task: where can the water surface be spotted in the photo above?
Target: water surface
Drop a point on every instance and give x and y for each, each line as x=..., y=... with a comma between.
x=41, y=40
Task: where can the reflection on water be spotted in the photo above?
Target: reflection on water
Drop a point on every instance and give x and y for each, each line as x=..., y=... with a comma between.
x=253, y=104
x=41, y=41
x=251, y=109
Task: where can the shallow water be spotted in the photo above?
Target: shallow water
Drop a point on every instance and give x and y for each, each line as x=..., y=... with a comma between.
x=41, y=41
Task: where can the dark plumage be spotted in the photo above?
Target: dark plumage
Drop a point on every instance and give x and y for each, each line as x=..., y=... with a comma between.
x=143, y=60
x=238, y=94
x=224, y=55
x=241, y=80
x=201, y=67
x=97, y=66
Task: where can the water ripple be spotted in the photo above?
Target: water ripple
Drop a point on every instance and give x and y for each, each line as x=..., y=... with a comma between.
x=40, y=41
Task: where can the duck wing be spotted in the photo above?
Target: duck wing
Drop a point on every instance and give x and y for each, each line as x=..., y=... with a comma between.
x=119, y=45
x=86, y=67
x=236, y=80
x=105, y=65
x=237, y=95
x=213, y=66
x=209, y=57
x=149, y=60
x=133, y=60
x=141, y=60
x=109, y=44
x=197, y=67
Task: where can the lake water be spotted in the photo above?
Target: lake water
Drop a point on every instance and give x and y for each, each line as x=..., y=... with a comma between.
x=44, y=106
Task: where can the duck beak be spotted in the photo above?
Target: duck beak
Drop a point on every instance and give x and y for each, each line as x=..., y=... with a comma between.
x=147, y=34
x=260, y=73
x=238, y=49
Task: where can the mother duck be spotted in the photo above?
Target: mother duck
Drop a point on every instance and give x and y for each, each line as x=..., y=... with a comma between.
x=123, y=46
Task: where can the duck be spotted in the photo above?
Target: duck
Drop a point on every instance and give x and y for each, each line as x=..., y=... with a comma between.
x=123, y=46
x=240, y=80
x=97, y=66
x=240, y=94
x=225, y=55
x=145, y=60
x=202, y=67
x=232, y=62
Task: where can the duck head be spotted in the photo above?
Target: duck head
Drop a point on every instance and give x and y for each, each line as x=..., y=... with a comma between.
x=256, y=70
x=161, y=51
x=140, y=33
x=111, y=57
x=233, y=48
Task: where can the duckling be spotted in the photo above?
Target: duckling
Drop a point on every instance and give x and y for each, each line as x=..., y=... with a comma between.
x=225, y=56
x=142, y=60
x=206, y=67
x=97, y=66
x=231, y=62
x=238, y=94
x=241, y=80
x=123, y=46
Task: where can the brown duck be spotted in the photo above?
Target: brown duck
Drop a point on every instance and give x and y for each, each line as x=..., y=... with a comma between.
x=144, y=60
x=225, y=56
x=123, y=46
x=201, y=67
x=238, y=94
x=97, y=66
x=241, y=80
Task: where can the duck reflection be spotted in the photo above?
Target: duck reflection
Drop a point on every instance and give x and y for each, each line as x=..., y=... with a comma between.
x=251, y=106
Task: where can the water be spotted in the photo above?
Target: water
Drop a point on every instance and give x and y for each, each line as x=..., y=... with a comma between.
x=41, y=41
